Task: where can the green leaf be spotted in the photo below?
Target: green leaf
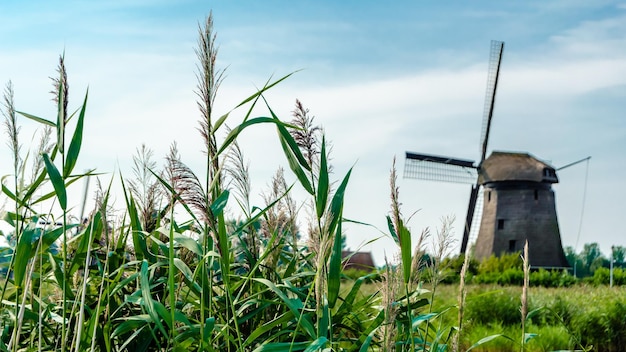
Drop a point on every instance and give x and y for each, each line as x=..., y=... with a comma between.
x=224, y=246
x=131, y=323
x=282, y=347
x=348, y=300
x=268, y=326
x=11, y=196
x=368, y=340
x=184, y=269
x=291, y=143
x=219, y=204
x=75, y=144
x=336, y=205
x=57, y=182
x=32, y=188
x=148, y=303
x=38, y=119
x=322, y=187
x=23, y=254
x=209, y=324
x=237, y=130
x=392, y=230
x=59, y=276
x=189, y=243
x=334, y=268
x=317, y=344
x=293, y=304
x=265, y=88
x=295, y=167
x=87, y=237
x=487, y=339
x=422, y=318
x=405, y=251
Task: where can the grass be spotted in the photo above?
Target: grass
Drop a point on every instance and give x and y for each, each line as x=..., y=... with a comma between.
x=170, y=271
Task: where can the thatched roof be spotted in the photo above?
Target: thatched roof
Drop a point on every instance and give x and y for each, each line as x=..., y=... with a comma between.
x=359, y=260
x=512, y=166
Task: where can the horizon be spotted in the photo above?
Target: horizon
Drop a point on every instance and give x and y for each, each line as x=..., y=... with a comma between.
x=381, y=79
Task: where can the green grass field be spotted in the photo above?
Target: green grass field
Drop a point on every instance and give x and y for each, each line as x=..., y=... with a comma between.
x=580, y=317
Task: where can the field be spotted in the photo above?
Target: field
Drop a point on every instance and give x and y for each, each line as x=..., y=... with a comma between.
x=577, y=317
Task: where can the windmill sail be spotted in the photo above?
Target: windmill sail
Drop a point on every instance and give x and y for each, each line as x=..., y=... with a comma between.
x=495, y=59
x=439, y=168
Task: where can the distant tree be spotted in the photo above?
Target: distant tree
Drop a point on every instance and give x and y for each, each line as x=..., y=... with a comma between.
x=570, y=255
x=591, y=258
x=619, y=254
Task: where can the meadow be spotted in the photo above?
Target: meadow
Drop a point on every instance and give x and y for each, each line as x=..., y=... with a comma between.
x=170, y=271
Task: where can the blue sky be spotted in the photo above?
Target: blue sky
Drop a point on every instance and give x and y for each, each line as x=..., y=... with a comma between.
x=381, y=77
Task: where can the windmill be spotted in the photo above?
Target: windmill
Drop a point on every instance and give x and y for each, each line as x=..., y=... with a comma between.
x=517, y=196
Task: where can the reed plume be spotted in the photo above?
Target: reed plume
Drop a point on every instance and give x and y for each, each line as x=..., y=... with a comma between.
x=389, y=288
x=11, y=126
x=60, y=96
x=306, y=134
x=186, y=186
x=209, y=79
x=145, y=188
x=279, y=219
x=237, y=169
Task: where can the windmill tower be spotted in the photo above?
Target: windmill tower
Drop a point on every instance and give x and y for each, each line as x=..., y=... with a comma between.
x=517, y=196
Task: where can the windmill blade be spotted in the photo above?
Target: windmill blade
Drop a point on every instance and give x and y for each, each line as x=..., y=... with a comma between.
x=495, y=58
x=471, y=207
x=439, y=168
x=473, y=218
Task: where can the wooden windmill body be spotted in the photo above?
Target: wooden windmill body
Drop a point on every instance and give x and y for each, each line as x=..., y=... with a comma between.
x=518, y=202
x=519, y=206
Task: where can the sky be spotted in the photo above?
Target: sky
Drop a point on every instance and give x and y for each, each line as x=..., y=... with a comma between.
x=381, y=78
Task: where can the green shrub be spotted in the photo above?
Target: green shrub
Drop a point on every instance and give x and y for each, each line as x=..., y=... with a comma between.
x=602, y=276
x=499, y=264
x=552, y=278
x=495, y=307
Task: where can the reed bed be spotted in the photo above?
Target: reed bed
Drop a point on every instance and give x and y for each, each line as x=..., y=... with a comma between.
x=171, y=272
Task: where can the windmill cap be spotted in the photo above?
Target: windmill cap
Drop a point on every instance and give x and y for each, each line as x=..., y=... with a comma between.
x=514, y=166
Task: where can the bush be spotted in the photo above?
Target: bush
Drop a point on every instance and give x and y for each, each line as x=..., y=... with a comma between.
x=495, y=307
x=602, y=276
x=552, y=278
x=499, y=264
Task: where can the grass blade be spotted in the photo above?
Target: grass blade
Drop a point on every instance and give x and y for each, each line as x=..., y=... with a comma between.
x=75, y=143
x=336, y=205
x=23, y=254
x=38, y=119
x=334, y=268
x=322, y=187
x=148, y=302
x=57, y=182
